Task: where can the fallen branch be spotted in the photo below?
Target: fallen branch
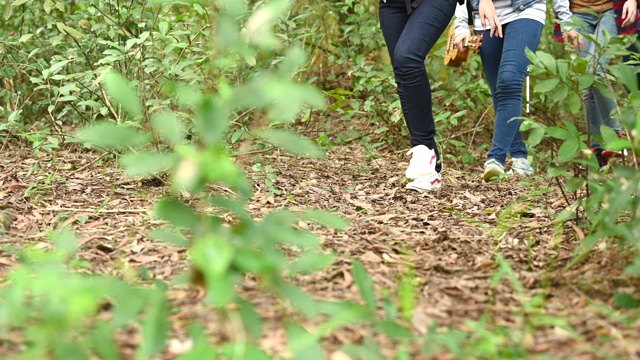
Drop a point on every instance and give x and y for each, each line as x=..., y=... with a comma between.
x=21, y=236
x=107, y=211
x=85, y=166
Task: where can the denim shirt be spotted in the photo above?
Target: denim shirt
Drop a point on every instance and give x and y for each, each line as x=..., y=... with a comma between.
x=518, y=5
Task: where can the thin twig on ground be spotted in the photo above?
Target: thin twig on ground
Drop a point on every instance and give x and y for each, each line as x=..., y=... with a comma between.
x=105, y=211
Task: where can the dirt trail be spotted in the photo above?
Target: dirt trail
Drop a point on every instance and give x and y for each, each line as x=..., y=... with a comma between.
x=449, y=238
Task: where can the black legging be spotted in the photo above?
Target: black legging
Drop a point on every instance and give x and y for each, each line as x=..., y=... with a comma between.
x=414, y=4
x=409, y=39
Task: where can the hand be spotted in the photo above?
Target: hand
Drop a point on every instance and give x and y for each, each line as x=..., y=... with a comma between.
x=489, y=16
x=574, y=38
x=629, y=12
x=460, y=40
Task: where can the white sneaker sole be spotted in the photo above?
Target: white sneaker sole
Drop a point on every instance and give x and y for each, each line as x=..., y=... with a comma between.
x=520, y=172
x=431, y=183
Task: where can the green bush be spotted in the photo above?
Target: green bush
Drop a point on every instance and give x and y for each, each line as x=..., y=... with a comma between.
x=51, y=309
x=600, y=198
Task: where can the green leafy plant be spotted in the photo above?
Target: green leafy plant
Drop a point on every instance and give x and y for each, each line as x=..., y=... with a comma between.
x=606, y=197
x=151, y=132
x=224, y=251
x=45, y=320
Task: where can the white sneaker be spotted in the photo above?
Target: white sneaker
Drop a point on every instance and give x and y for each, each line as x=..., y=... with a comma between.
x=422, y=169
x=423, y=162
x=522, y=167
x=492, y=169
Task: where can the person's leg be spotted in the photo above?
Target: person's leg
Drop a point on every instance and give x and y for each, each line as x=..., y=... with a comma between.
x=393, y=19
x=597, y=106
x=518, y=149
x=632, y=59
x=604, y=102
x=605, y=107
x=408, y=51
x=491, y=54
x=518, y=36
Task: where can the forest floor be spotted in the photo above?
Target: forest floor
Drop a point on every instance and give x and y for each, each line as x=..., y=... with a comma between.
x=449, y=238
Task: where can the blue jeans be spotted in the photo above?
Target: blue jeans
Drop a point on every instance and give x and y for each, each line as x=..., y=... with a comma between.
x=505, y=66
x=409, y=39
x=597, y=106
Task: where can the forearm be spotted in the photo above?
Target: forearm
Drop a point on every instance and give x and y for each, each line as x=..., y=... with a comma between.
x=462, y=20
x=562, y=11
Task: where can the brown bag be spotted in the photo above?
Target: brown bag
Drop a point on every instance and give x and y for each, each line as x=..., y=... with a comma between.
x=453, y=56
